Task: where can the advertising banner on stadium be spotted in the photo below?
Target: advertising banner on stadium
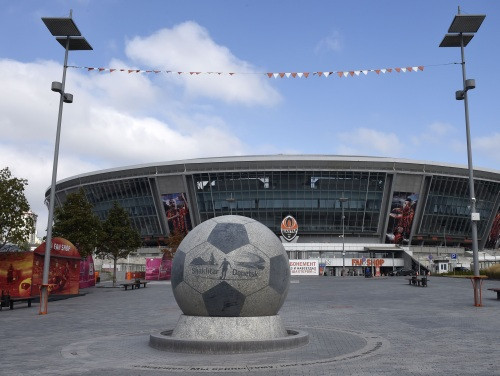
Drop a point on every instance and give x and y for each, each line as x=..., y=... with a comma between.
x=403, y=209
x=304, y=267
x=177, y=212
x=493, y=241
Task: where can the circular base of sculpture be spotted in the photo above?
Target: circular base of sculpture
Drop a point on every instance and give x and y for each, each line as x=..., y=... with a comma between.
x=228, y=335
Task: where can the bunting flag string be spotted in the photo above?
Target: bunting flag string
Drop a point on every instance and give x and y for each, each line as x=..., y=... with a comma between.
x=326, y=74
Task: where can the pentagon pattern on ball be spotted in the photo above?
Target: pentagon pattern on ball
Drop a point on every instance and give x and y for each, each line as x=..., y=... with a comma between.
x=230, y=266
x=228, y=236
x=223, y=300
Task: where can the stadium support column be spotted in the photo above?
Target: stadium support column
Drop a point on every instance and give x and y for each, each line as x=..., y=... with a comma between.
x=342, y=200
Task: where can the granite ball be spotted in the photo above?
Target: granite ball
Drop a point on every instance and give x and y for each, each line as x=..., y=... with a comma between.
x=230, y=266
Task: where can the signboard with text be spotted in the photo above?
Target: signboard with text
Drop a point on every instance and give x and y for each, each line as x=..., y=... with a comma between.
x=304, y=267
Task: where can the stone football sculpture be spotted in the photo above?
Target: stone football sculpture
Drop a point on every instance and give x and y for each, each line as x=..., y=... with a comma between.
x=230, y=266
x=230, y=277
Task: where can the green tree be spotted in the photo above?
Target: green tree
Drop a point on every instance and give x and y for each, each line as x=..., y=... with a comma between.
x=118, y=238
x=76, y=221
x=15, y=223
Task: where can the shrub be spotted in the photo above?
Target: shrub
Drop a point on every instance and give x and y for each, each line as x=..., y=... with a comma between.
x=493, y=271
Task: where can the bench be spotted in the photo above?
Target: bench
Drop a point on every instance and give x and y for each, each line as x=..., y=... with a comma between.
x=415, y=281
x=135, y=284
x=497, y=291
x=7, y=301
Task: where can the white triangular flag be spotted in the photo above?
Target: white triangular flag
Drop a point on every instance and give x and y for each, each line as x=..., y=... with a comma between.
x=300, y=75
x=357, y=72
x=403, y=69
x=287, y=75
x=383, y=70
x=346, y=74
x=276, y=75
x=365, y=72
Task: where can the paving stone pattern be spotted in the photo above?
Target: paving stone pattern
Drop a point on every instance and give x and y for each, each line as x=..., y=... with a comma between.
x=357, y=326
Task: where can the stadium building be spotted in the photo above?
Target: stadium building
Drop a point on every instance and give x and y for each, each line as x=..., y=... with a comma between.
x=397, y=213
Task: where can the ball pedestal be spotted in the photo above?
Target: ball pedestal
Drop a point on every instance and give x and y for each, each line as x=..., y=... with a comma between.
x=228, y=335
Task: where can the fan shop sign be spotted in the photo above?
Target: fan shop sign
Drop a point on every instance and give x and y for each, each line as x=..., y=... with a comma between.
x=367, y=262
x=304, y=267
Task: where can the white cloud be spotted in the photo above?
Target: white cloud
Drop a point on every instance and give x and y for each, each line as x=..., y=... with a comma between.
x=188, y=47
x=105, y=127
x=489, y=147
x=332, y=42
x=365, y=141
x=434, y=134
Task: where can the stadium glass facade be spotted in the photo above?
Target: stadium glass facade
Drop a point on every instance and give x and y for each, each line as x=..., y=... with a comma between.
x=388, y=200
x=312, y=197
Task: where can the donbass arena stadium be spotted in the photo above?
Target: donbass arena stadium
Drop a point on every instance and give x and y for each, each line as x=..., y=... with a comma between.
x=339, y=214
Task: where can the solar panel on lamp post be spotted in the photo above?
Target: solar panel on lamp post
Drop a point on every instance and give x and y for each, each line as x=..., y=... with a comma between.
x=463, y=28
x=68, y=35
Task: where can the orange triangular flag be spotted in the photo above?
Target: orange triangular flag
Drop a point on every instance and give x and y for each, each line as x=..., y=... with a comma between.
x=340, y=74
x=294, y=74
x=306, y=74
x=377, y=71
x=421, y=67
x=282, y=74
x=111, y=70
x=269, y=75
x=320, y=73
x=389, y=70
x=101, y=69
x=351, y=73
x=409, y=69
x=398, y=70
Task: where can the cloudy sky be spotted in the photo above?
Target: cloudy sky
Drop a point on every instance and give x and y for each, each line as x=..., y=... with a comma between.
x=120, y=118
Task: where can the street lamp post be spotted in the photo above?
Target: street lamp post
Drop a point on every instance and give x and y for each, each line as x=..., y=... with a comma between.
x=342, y=200
x=68, y=35
x=231, y=200
x=463, y=28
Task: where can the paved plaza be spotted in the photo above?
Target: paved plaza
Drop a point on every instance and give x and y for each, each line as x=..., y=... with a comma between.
x=357, y=326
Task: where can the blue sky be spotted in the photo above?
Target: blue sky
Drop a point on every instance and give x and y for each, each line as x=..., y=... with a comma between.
x=120, y=119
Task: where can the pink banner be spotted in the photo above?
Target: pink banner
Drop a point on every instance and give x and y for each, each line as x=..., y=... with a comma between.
x=158, y=269
x=87, y=278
